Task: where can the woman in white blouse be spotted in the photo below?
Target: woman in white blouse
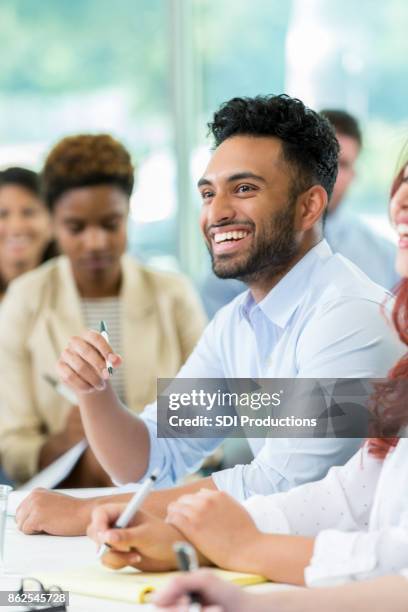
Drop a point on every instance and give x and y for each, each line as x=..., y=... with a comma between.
x=352, y=525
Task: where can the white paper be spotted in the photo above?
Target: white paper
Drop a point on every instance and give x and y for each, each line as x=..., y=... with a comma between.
x=57, y=471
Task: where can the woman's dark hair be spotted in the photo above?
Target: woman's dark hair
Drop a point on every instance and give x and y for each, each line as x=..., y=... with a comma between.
x=29, y=180
x=309, y=143
x=22, y=177
x=86, y=160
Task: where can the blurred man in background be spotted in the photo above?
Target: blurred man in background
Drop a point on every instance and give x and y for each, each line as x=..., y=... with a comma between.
x=345, y=231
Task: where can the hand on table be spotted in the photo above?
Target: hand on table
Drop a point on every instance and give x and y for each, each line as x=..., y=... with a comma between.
x=218, y=526
x=44, y=511
x=146, y=544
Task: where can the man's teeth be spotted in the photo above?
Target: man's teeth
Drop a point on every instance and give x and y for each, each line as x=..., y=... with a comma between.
x=402, y=229
x=222, y=237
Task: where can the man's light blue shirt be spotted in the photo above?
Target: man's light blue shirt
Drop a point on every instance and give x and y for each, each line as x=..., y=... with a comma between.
x=322, y=320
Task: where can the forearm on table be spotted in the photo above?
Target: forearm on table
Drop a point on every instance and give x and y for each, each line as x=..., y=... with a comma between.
x=157, y=502
x=280, y=558
x=119, y=439
x=389, y=593
x=87, y=506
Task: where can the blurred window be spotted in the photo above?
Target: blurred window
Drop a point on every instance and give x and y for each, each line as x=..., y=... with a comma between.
x=90, y=66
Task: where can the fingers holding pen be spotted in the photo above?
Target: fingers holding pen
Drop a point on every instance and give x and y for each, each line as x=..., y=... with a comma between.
x=82, y=365
x=98, y=344
x=71, y=378
x=102, y=518
x=116, y=560
x=121, y=553
x=121, y=540
x=200, y=581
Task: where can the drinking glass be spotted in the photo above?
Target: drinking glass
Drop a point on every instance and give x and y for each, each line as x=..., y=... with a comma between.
x=4, y=493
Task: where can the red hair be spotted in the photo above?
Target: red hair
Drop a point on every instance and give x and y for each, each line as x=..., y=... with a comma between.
x=390, y=396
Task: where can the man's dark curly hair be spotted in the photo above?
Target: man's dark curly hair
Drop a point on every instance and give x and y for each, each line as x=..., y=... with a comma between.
x=83, y=161
x=309, y=144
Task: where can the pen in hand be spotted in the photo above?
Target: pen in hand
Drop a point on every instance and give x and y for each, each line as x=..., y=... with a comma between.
x=187, y=562
x=131, y=509
x=104, y=333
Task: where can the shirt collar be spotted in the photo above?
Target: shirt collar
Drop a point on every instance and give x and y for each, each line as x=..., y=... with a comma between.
x=282, y=301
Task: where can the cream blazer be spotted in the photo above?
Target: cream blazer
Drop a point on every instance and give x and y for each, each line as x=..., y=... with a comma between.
x=162, y=321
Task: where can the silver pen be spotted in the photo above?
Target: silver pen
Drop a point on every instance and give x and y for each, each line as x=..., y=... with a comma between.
x=187, y=562
x=104, y=333
x=131, y=509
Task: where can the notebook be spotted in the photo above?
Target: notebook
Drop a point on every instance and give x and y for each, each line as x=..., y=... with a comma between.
x=57, y=471
x=128, y=585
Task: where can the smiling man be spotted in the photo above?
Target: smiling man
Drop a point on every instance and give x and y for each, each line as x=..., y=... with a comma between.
x=344, y=230
x=248, y=218
x=307, y=313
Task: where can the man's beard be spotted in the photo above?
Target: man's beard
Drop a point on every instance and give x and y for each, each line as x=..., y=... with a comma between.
x=270, y=254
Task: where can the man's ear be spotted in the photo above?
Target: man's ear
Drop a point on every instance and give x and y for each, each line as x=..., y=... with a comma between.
x=310, y=207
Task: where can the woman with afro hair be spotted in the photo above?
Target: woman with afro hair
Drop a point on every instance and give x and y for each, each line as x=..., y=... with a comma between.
x=154, y=318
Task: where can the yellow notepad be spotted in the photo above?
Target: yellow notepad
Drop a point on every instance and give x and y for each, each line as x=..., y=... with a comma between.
x=127, y=584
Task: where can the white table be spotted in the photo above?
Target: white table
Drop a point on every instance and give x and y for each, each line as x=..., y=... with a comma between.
x=28, y=555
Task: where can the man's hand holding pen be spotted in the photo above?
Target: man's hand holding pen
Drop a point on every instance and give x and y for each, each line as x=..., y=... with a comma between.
x=82, y=365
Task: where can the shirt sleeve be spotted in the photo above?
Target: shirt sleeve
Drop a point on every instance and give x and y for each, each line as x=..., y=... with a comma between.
x=176, y=457
x=340, y=557
x=340, y=344
x=284, y=463
x=343, y=499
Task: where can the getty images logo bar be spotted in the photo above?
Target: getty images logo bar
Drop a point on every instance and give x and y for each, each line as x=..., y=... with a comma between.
x=284, y=407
